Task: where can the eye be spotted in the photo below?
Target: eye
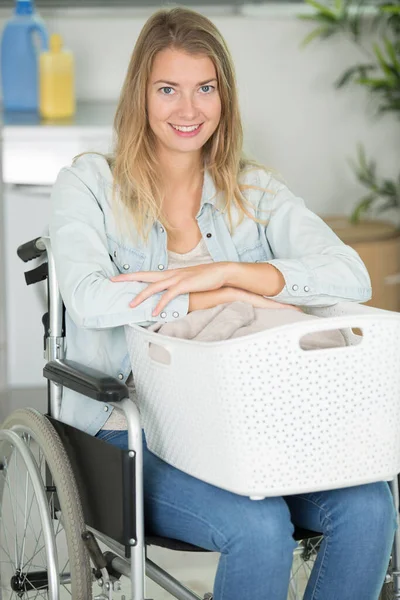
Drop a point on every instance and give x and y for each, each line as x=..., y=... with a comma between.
x=207, y=89
x=167, y=90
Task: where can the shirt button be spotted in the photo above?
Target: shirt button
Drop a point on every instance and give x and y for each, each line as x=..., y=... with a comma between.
x=209, y=235
x=175, y=314
x=120, y=376
x=295, y=287
x=126, y=267
x=161, y=267
x=163, y=315
x=105, y=409
x=162, y=229
x=115, y=254
x=306, y=288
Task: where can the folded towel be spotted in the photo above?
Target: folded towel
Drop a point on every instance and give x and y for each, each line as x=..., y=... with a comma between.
x=237, y=319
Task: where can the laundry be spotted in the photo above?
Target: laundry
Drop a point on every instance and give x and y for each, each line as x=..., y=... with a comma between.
x=237, y=319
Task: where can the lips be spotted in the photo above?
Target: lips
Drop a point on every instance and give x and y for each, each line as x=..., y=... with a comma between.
x=191, y=133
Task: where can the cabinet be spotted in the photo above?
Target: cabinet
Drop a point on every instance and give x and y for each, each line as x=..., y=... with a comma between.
x=26, y=212
x=378, y=244
x=32, y=154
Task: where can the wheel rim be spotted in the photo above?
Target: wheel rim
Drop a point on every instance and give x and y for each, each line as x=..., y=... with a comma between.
x=32, y=537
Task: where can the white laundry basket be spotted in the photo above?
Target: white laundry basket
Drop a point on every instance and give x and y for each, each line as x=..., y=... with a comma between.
x=259, y=416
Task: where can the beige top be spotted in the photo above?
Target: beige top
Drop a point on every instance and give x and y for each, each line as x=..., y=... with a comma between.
x=198, y=256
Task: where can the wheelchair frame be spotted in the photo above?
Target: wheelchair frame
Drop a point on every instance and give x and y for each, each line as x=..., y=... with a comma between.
x=59, y=373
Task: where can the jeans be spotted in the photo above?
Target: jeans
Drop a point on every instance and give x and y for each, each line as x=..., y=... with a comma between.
x=255, y=539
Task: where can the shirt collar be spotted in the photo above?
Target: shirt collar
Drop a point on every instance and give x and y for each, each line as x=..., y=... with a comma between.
x=209, y=193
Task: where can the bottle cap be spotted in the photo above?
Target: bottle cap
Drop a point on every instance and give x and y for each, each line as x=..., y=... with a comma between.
x=56, y=42
x=24, y=7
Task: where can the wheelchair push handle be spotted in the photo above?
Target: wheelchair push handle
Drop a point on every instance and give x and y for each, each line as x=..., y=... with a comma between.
x=30, y=250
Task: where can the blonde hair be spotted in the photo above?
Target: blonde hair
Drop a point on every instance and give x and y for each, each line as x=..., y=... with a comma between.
x=134, y=162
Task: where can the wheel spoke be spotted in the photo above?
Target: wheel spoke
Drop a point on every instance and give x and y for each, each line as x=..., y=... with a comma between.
x=26, y=518
x=65, y=566
x=69, y=591
x=8, y=552
x=25, y=540
x=11, y=562
x=29, y=562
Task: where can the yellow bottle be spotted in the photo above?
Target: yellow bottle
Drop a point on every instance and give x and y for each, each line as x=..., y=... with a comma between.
x=57, y=89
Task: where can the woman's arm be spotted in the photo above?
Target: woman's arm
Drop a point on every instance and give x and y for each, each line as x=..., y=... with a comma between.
x=202, y=300
x=260, y=278
x=312, y=266
x=82, y=260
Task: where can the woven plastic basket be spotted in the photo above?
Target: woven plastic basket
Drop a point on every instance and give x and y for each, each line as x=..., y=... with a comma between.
x=259, y=416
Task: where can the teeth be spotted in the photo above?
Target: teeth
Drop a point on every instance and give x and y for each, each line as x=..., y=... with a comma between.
x=191, y=128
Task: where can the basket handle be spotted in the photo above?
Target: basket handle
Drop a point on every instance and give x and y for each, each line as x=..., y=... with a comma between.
x=362, y=322
x=159, y=353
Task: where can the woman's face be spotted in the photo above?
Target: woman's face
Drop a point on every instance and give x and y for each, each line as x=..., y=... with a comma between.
x=183, y=102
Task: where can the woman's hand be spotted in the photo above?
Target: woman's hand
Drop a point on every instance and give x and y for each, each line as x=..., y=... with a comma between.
x=202, y=300
x=237, y=295
x=174, y=282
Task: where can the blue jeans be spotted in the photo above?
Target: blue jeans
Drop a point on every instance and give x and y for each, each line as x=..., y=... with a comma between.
x=255, y=537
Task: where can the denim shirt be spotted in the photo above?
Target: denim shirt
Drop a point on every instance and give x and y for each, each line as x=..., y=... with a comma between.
x=90, y=246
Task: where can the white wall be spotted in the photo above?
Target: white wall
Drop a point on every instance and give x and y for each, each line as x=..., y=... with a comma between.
x=294, y=119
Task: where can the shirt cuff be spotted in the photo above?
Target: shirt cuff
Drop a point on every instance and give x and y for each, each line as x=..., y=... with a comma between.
x=299, y=282
x=178, y=307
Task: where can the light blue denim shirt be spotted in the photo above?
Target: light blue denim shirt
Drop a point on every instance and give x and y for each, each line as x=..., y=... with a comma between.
x=90, y=246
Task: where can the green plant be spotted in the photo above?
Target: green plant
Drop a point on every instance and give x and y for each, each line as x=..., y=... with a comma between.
x=384, y=192
x=380, y=75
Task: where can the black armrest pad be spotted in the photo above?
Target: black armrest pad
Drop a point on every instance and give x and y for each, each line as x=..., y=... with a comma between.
x=29, y=250
x=86, y=381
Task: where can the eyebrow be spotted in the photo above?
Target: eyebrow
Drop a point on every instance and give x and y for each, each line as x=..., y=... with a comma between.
x=177, y=84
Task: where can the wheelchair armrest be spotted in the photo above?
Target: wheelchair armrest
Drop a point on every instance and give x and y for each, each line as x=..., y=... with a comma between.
x=86, y=381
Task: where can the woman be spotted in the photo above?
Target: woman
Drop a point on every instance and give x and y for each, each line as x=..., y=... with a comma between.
x=177, y=220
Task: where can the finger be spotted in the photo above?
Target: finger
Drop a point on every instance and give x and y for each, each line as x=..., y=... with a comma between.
x=150, y=290
x=144, y=276
x=165, y=299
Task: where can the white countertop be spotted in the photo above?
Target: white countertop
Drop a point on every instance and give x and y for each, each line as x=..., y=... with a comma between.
x=90, y=116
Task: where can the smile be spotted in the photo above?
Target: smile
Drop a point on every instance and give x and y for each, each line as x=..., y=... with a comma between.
x=186, y=130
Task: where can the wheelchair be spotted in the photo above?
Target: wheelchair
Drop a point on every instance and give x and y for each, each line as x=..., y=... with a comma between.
x=71, y=505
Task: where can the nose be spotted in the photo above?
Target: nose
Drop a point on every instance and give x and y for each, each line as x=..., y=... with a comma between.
x=187, y=107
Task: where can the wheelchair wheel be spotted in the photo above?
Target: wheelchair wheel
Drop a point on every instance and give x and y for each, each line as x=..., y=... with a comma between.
x=303, y=562
x=41, y=520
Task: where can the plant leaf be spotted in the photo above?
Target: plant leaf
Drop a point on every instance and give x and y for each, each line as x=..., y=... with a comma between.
x=388, y=188
x=391, y=52
x=349, y=73
x=339, y=6
x=373, y=83
x=390, y=9
x=323, y=9
x=362, y=207
x=383, y=64
x=392, y=203
x=322, y=31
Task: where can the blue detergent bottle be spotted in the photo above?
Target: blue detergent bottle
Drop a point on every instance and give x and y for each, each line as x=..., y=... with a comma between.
x=19, y=58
